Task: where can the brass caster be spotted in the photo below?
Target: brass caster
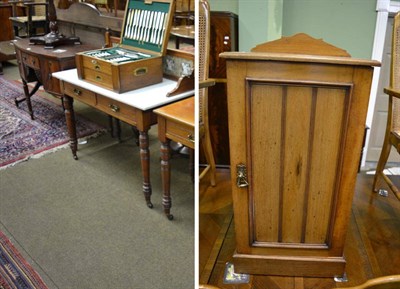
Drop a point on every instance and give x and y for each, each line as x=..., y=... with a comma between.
x=230, y=277
x=383, y=193
x=341, y=279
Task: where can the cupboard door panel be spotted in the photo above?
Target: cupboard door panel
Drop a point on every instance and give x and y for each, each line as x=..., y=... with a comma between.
x=297, y=131
x=296, y=118
x=265, y=148
x=327, y=144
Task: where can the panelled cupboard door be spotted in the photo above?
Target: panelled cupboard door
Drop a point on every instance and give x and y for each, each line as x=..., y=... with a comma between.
x=296, y=125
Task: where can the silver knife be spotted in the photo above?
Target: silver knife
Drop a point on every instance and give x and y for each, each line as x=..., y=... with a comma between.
x=160, y=29
x=137, y=24
x=154, y=33
x=163, y=27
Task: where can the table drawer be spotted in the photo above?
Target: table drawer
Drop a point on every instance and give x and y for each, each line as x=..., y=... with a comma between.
x=181, y=133
x=117, y=109
x=30, y=60
x=80, y=94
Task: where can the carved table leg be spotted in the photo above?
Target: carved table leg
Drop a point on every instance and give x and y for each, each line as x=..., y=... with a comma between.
x=145, y=160
x=166, y=177
x=68, y=104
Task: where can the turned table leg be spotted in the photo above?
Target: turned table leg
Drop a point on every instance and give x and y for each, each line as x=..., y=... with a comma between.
x=145, y=161
x=166, y=178
x=71, y=124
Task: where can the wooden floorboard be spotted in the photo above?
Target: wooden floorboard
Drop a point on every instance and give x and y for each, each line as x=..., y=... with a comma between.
x=372, y=246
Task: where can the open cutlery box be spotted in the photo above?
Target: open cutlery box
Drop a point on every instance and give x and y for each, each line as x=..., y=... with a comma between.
x=137, y=61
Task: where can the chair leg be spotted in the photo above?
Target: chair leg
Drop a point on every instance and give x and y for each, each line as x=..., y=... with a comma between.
x=381, y=163
x=208, y=153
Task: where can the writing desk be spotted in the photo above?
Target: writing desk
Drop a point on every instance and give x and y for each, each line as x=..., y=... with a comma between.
x=133, y=107
x=36, y=64
x=175, y=122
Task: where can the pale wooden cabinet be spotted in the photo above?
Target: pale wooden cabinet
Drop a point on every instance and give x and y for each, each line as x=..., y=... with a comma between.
x=296, y=110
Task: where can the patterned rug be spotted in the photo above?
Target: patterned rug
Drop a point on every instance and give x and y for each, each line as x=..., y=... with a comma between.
x=15, y=272
x=22, y=138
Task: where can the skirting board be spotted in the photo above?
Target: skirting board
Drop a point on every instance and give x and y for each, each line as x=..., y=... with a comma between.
x=289, y=266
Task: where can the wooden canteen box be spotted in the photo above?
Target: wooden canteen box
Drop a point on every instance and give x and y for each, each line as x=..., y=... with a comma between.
x=297, y=108
x=137, y=61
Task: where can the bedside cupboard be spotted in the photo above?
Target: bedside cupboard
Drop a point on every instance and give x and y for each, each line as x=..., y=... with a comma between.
x=296, y=110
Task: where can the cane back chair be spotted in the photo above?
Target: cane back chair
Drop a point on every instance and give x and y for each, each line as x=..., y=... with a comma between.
x=392, y=134
x=204, y=82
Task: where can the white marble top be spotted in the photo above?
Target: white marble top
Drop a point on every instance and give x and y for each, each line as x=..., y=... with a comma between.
x=145, y=98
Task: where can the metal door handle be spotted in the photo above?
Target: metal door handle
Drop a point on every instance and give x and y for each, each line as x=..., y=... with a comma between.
x=241, y=176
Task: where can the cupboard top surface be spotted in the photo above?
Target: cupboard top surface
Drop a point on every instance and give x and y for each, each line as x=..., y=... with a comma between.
x=299, y=48
x=285, y=57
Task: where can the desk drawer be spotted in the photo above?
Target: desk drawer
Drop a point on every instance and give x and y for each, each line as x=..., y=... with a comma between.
x=80, y=94
x=30, y=60
x=117, y=109
x=181, y=133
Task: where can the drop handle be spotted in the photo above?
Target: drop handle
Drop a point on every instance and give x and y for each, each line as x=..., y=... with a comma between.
x=114, y=107
x=241, y=176
x=77, y=91
x=190, y=137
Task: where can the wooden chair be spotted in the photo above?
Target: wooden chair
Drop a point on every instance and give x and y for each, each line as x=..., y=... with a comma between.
x=204, y=82
x=392, y=135
x=31, y=24
x=386, y=282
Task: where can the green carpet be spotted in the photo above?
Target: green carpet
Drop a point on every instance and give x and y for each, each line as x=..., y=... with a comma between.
x=84, y=224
